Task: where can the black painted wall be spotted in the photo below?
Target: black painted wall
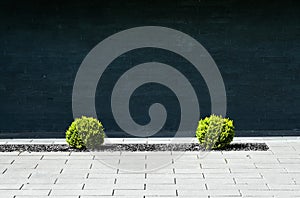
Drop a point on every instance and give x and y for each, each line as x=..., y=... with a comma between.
x=256, y=45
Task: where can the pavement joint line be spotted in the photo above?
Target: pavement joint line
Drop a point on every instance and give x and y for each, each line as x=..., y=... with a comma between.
x=4, y=171
x=21, y=186
x=49, y=192
x=206, y=187
x=240, y=193
x=234, y=180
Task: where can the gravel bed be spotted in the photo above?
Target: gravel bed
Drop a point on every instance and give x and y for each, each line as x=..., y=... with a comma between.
x=130, y=147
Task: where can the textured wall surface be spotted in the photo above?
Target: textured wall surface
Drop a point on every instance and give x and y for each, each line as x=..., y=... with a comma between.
x=255, y=44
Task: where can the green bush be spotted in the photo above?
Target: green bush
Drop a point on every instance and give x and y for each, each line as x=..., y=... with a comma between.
x=215, y=132
x=85, y=132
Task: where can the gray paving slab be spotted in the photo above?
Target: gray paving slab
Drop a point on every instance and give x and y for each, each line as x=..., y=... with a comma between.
x=272, y=173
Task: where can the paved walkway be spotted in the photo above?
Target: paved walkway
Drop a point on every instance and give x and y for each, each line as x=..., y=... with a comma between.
x=272, y=173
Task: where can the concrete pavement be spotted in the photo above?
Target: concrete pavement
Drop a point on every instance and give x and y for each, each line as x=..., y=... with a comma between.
x=272, y=173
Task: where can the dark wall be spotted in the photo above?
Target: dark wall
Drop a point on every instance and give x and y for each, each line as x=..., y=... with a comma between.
x=256, y=45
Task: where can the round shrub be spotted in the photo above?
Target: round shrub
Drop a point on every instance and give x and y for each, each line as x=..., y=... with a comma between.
x=85, y=132
x=215, y=132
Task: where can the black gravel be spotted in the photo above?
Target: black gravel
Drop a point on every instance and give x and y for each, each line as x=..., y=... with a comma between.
x=130, y=147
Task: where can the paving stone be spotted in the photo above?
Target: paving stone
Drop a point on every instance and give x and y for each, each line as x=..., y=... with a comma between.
x=284, y=187
x=105, y=161
x=130, y=180
x=79, y=165
x=269, y=166
x=10, y=186
x=13, y=181
x=137, y=186
x=52, y=186
x=220, y=166
x=160, y=192
x=102, y=176
x=275, y=193
x=97, y=166
x=282, y=149
x=197, y=175
x=200, y=186
x=289, y=161
x=161, y=186
x=189, y=171
x=156, y=166
x=232, y=175
x=70, y=181
x=97, y=186
x=250, y=181
x=129, y=193
x=131, y=166
x=160, y=181
x=28, y=157
x=154, y=193
x=187, y=166
x=51, y=170
x=7, y=193
x=291, y=167
x=187, y=181
x=29, y=192
x=211, y=155
x=160, y=176
x=253, y=161
x=26, y=196
x=56, y=192
x=212, y=161
x=4, y=161
x=134, y=196
x=199, y=192
x=134, y=156
x=216, y=186
x=107, y=170
x=164, y=170
x=69, y=175
x=24, y=165
x=72, y=157
x=14, y=153
x=42, y=180
x=278, y=178
x=257, y=170
x=95, y=153
x=215, y=170
x=44, y=153
x=14, y=175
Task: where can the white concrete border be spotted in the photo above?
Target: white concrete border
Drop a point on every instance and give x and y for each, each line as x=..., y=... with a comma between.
x=166, y=140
